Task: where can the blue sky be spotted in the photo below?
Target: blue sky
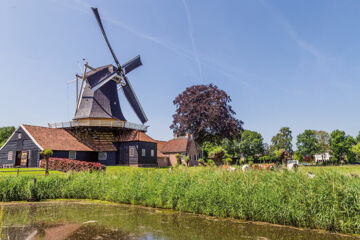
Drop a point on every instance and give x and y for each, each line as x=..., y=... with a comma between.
x=284, y=63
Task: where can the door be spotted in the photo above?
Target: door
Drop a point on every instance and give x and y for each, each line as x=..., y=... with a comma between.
x=18, y=158
x=24, y=158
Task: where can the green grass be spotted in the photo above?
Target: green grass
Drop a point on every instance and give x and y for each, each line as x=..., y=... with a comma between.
x=345, y=169
x=25, y=171
x=330, y=201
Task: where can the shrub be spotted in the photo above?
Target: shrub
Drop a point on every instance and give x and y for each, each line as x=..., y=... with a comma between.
x=201, y=162
x=211, y=162
x=178, y=157
x=187, y=160
x=227, y=161
x=217, y=155
x=65, y=165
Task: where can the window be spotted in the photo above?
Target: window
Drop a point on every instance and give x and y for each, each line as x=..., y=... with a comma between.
x=143, y=152
x=72, y=155
x=19, y=136
x=10, y=156
x=102, y=156
x=132, y=151
x=152, y=152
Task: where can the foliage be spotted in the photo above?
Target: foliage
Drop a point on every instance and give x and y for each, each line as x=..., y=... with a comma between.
x=307, y=143
x=251, y=144
x=340, y=146
x=232, y=147
x=356, y=150
x=1, y=219
x=201, y=162
x=5, y=133
x=47, y=153
x=217, y=155
x=204, y=112
x=227, y=161
x=178, y=157
x=187, y=160
x=323, y=139
x=329, y=201
x=65, y=165
x=298, y=156
x=282, y=140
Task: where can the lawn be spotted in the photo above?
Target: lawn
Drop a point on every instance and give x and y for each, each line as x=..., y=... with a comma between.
x=26, y=172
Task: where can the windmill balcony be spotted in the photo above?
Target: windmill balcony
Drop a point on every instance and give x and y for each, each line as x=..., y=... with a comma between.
x=99, y=123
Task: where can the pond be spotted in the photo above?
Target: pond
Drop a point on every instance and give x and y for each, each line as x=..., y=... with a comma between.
x=82, y=220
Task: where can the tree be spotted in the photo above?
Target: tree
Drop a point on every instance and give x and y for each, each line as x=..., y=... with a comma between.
x=251, y=144
x=47, y=153
x=323, y=139
x=282, y=140
x=307, y=143
x=356, y=150
x=340, y=146
x=217, y=155
x=5, y=133
x=204, y=112
x=358, y=137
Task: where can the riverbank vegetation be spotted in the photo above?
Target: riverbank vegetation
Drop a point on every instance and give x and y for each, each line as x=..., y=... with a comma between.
x=330, y=201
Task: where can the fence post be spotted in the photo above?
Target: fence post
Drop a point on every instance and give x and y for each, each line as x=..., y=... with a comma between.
x=18, y=172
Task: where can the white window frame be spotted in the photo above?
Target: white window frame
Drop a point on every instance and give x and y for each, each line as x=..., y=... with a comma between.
x=143, y=152
x=131, y=151
x=72, y=155
x=10, y=155
x=19, y=135
x=102, y=156
x=152, y=152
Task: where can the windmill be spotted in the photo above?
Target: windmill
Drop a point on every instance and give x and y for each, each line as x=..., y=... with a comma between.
x=98, y=97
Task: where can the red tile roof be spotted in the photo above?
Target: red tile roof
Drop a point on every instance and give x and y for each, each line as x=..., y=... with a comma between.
x=135, y=135
x=55, y=139
x=177, y=145
x=160, y=146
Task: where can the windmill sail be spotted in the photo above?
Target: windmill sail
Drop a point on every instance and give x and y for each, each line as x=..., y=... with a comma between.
x=132, y=64
x=97, y=16
x=134, y=101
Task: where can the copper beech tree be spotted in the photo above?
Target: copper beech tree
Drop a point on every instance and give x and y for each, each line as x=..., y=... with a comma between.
x=204, y=112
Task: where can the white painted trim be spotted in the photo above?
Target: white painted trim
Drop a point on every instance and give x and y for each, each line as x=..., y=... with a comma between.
x=9, y=138
x=32, y=138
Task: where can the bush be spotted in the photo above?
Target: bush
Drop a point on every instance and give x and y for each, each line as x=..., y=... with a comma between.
x=178, y=157
x=187, y=160
x=65, y=165
x=227, y=161
x=217, y=155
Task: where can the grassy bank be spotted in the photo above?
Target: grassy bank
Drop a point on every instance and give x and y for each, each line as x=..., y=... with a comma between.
x=330, y=201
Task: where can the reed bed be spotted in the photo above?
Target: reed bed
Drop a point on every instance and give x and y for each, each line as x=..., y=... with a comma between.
x=330, y=201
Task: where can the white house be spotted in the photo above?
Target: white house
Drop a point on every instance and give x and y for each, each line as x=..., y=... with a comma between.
x=322, y=157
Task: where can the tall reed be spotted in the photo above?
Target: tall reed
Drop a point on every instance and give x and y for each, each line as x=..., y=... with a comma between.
x=330, y=201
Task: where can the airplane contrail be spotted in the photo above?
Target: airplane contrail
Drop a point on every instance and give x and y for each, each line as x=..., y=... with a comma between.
x=192, y=38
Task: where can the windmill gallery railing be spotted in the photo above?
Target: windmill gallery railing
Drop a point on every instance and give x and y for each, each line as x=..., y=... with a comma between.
x=99, y=123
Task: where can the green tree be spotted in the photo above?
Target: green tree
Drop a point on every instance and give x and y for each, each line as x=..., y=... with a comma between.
x=47, y=153
x=5, y=133
x=340, y=146
x=358, y=137
x=323, y=139
x=251, y=144
x=307, y=143
x=282, y=140
x=217, y=155
x=356, y=150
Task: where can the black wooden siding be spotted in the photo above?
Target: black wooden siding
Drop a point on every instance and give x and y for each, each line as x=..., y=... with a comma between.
x=23, y=144
x=124, y=158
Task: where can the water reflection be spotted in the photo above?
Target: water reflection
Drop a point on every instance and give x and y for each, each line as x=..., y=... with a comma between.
x=97, y=221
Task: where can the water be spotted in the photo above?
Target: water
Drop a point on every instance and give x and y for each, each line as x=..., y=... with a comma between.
x=72, y=220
